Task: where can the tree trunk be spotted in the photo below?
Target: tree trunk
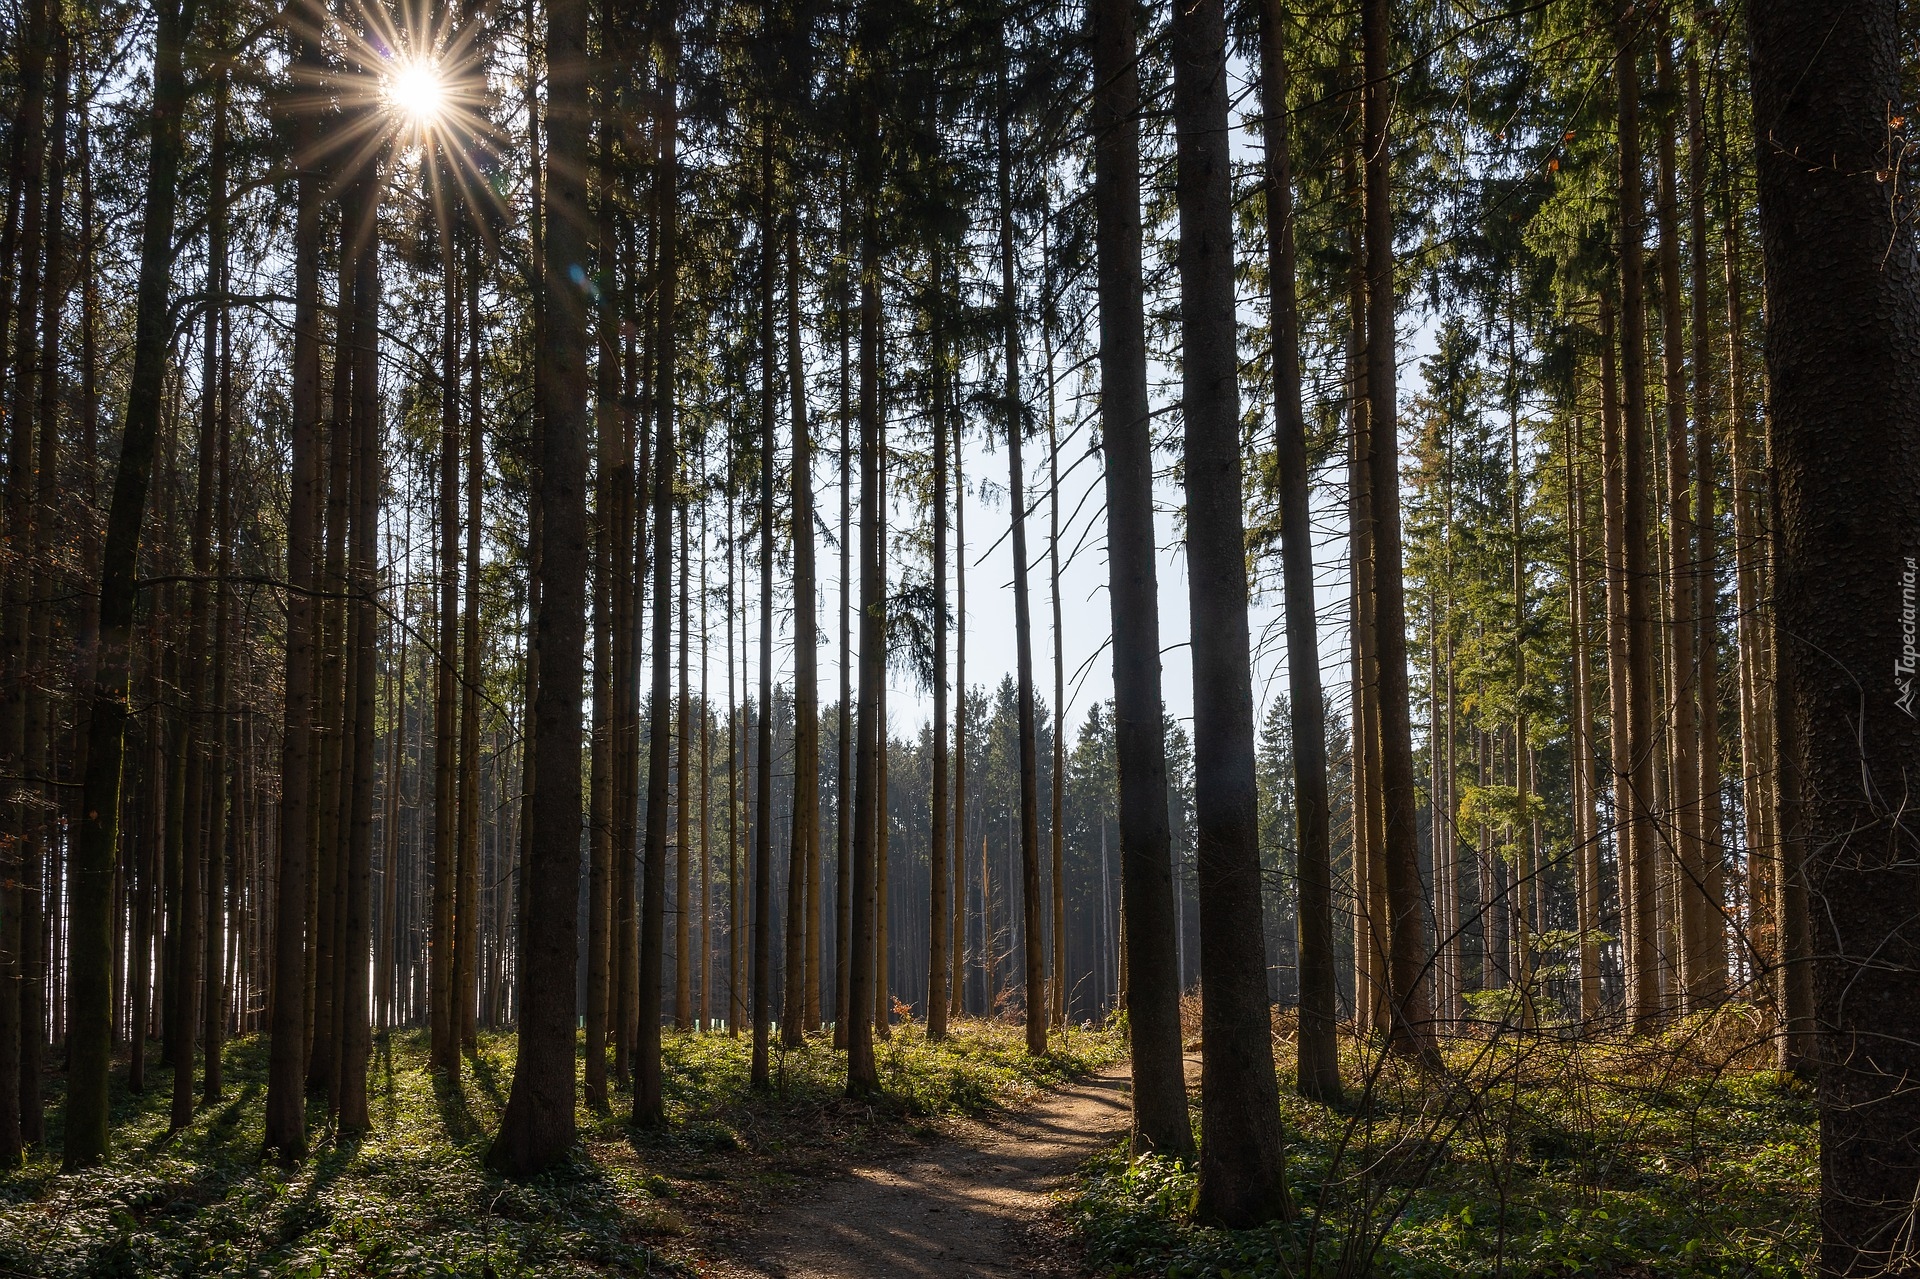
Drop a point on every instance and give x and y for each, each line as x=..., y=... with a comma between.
x=286, y=1108
x=45, y=535
x=649, y=1107
x=1412, y=1028
x=957, y=997
x=1586, y=823
x=466, y=889
x=1056, y=790
x=600, y=802
x=760, y=1078
x=1160, y=1123
x=1698, y=915
x=844, y=786
x=683, y=794
x=1709, y=976
x=537, y=1127
x=91, y=922
x=1241, y=1175
x=863, y=1077
x=1843, y=359
x=1759, y=789
x=21, y=602
x=940, y=934
x=1014, y=421
x=444, y=945
x=1317, y=1045
x=214, y=1006
x=802, y=1013
x=1634, y=764
x=351, y=994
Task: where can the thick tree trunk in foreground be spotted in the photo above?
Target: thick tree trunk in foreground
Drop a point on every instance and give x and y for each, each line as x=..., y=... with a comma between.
x=1241, y=1174
x=1843, y=356
x=1160, y=1122
x=537, y=1127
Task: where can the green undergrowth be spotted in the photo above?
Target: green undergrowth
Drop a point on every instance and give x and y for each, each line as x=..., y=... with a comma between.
x=1675, y=1156
x=412, y=1198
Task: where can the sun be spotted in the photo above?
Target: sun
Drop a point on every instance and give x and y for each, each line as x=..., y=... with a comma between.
x=416, y=91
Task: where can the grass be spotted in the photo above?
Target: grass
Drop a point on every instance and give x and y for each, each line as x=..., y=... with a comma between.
x=412, y=1198
x=1674, y=1156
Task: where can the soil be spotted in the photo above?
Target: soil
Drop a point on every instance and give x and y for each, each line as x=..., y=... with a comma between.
x=975, y=1204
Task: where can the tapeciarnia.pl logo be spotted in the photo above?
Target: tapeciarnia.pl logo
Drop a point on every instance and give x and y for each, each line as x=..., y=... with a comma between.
x=1905, y=665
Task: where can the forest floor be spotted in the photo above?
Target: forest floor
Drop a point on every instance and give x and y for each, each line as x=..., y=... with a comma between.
x=979, y=1204
x=412, y=1197
x=1524, y=1154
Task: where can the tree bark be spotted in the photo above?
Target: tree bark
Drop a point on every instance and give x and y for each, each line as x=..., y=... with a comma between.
x=1411, y=1030
x=940, y=935
x=286, y=1106
x=649, y=1106
x=1708, y=979
x=355, y=1043
x=802, y=1013
x=1843, y=359
x=1698, y=915
x=1317, y=1047
x=1634, y=760
x=91, y=922
x=443, y=944
x=863, y=1078
x=759, y=1076
x=1242, y=1180
x=537, y=1127
x=1160, y=1123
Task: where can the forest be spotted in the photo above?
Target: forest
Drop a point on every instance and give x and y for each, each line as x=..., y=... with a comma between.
x=952, y=637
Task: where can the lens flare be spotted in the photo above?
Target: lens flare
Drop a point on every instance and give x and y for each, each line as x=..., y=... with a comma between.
x=417, y=92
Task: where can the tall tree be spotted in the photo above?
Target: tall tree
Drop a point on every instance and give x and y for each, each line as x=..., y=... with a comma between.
x=537, y=1126
x=1013, y=411
x=1843, y=358
x=1634, y=763
x=286, y=1066
x=90, y=944
x=802, y=1003
x=1317, y=1046
x=863, y=1078
x=1242, y=1178
x=1160, y=1122
x=941, y=937
x=649, y=1104
x=759, y=1076
x=1411, y=1029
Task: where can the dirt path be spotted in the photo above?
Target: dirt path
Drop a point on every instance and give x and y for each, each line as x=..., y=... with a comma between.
x=967, y=1207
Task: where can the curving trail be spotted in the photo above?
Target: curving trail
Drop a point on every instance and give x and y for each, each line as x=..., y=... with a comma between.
x=966, y=1207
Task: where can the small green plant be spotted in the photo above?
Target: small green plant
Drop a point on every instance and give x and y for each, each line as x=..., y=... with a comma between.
x=1524, y=1155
